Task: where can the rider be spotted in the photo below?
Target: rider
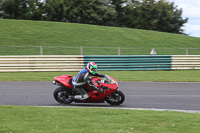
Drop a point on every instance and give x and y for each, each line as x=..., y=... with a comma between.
x=83, y=77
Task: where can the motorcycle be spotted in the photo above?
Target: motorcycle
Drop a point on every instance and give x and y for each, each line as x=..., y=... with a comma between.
x=111, y=94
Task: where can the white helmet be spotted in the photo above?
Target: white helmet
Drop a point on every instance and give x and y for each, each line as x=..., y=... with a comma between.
x=91, y=67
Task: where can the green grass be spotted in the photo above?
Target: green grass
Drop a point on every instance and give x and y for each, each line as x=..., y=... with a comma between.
x=19, y=37
x=94, y=120
x=59, y=37
x=170, y=76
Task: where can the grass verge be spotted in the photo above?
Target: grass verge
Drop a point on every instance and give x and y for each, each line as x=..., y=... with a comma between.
x=24, y=37
x=161, y=76
x=94, y=120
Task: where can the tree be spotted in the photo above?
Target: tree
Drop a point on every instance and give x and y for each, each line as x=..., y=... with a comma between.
x=97, y=12
x=154, y=15
x=118, y=5
x=11, y=9
x=171, y=20
x=129, y=14
x=19, y=9
x=55, y=10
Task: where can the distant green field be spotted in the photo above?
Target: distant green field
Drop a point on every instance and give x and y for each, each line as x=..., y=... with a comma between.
x=22, y=37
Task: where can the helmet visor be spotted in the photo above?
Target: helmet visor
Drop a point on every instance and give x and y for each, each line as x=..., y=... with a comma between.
x=94, y=69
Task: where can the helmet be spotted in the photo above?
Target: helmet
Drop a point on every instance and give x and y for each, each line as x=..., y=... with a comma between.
x=91, y=67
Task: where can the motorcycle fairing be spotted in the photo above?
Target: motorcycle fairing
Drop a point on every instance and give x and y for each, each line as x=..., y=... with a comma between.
x=65, y=80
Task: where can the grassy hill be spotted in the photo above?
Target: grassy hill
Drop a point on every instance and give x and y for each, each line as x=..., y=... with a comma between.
x=22, y=37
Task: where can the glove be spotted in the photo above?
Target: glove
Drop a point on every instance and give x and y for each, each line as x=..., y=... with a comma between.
x=103, y=75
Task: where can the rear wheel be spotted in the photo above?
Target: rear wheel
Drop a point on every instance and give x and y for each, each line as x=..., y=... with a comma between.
x=61, y=95
x=115, y=98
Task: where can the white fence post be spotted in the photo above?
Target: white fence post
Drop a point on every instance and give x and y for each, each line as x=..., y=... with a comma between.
x=41, y=50
x=81, y=50
x=119, y=52
x=187, y=52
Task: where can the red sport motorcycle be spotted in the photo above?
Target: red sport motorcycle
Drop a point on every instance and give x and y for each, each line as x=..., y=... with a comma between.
x=111, y=94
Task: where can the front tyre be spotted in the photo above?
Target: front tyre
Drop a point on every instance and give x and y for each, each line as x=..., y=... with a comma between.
x=61, y=95
x=115, y=98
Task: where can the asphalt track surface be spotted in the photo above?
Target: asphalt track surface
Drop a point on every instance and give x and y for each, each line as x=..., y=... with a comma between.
x=146, y=95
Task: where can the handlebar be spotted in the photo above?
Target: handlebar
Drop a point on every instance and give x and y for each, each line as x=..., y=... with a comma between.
x=98, y=82
x=103, y=87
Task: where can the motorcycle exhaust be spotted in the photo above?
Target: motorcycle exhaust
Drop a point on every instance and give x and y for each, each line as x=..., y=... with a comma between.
x=57, y=83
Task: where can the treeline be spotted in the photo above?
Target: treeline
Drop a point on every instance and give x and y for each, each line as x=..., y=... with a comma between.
x=159, y=15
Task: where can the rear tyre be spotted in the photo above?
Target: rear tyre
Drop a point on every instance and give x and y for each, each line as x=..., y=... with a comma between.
x=61, y=95
x=115, y=98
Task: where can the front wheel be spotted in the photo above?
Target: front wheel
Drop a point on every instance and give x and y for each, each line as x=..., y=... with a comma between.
x=61, y=95
x=115, y=98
